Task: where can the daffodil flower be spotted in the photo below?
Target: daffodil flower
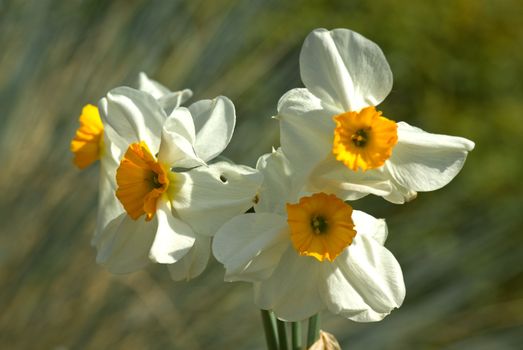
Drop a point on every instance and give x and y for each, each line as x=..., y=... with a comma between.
x=340, y=143
x=169, y=200
x=87, y=145
x=90, y=145
x=306, y=253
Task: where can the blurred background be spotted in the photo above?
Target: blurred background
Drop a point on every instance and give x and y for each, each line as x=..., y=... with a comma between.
x=458, y=68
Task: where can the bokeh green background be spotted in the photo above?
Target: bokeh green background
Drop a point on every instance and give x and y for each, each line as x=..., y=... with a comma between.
x=458, y=68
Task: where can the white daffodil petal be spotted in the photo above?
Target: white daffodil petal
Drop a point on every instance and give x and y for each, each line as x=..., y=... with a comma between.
x=174, y=99
x=343, y=68
x=292, y=289
x=214, y=120
x=167, y=99
x=374, y=274
x=338, y=294
x=181, y=122
x=342, y=299
x=250, y=245
x=178, y=137
x=399, y=194
x=194, y=263
x=368, y=316
x=173, y=238
x=422, y=161
x=306, y=130
x=368, y=225
x=332, y=176
x=208, y=196
x=152, y=87
x=114, y=146
x=108, y=205
x=276, y=189
x=124, y=244
x=134, y=115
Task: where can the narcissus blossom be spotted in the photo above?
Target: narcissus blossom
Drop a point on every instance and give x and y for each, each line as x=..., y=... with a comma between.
x=338, y=141
x=169, y=201
x=309, y=252
x=88, y=144
x=91, y=144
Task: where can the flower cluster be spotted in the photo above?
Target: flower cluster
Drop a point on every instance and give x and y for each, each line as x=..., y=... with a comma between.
x=165, y=196
x=163, y=192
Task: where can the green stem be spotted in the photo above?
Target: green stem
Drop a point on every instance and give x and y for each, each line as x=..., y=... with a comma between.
x=269, y=326
x=282, y=335
x=313, y=331
x=296, y=335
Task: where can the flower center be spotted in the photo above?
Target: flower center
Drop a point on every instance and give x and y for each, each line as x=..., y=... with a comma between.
x=359, y=138
x=364, y=140
x=87, y=144
x=321, y=226
x=141, y=181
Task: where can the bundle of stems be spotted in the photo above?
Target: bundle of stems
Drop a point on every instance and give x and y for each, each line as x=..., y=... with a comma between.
x=276, y=332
